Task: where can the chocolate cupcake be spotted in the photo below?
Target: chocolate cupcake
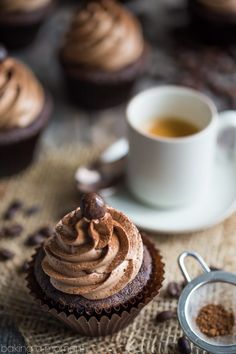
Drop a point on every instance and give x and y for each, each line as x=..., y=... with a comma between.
x=218, y=15
x=24, y=112
x=103, y=54
x=20, y=20
x=97, y=272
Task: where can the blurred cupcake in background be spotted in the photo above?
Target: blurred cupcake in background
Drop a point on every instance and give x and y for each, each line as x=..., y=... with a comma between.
x=216, y=15
x=104, y=53
x=20, y=20
x=24, y=111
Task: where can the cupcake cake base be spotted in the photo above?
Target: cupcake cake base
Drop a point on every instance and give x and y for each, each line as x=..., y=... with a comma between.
x=94, y=89
x=17, y=146
x=99, y=317
x=18, y=29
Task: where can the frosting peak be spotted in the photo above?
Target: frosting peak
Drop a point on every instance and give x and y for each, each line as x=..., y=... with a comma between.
x=21, y=95
x=93, y=258
x=103, y=35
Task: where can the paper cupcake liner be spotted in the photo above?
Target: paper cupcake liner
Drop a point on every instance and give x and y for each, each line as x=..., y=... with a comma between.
x=110, y=321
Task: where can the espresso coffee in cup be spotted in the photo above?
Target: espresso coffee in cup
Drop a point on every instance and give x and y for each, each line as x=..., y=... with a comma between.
x=171, y=127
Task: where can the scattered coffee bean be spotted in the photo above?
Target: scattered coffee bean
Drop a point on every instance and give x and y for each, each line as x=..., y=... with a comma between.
x=165, y=316
x=11, y=211
x=35, y=240
x=174, y=289
x=45, y=231
x=31, y=211
x=92, y=206
x=6, y=254
x=184, y=346
x=24, y=267
x=12, y=230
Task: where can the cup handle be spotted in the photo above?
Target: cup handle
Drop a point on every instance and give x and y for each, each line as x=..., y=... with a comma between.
x=227, y=120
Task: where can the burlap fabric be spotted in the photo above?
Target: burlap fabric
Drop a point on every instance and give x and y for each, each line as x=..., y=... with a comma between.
x=49, y=183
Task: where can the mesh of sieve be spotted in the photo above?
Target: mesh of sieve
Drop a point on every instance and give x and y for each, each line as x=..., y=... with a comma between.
x=212, y=287
x=218, y=293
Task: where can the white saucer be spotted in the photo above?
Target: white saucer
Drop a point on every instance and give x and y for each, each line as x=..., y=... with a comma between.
x=211, y=209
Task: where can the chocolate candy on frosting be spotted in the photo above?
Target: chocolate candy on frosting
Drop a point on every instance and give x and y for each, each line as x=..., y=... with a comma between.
x=92, y=206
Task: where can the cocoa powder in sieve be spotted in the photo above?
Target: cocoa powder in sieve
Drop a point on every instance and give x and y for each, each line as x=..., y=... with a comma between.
x=215, y=320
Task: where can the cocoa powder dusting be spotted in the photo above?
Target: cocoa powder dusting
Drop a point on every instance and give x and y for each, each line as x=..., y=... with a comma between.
x=215, y=320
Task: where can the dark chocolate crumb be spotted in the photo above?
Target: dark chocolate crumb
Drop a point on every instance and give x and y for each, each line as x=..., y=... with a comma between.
x=6, y=254
x=184, y=346
x=165, y=316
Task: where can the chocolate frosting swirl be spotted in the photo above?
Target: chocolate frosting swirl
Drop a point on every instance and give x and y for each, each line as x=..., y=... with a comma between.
x=103, y=35
x=93, y=258
x=220, y=6
x=21, y=95
x=22, y=5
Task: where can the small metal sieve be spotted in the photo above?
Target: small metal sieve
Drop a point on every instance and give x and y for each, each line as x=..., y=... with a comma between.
x=212, y=287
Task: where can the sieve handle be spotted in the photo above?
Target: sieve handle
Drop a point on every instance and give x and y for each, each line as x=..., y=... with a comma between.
x=194, y=255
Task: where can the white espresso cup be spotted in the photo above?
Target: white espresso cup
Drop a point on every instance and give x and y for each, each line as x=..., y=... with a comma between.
x=172, y=172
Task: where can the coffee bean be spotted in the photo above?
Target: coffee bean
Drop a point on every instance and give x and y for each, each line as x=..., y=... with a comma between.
x=174, y=289
x=12, y=230
x=45, y=231
x=165, y=316
x=184, y=345
x=3, y=53
x=35, y=240
x=31, y=211
x=11, y=211
x=6, y=254
x=24, y=267
x=92, y=206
